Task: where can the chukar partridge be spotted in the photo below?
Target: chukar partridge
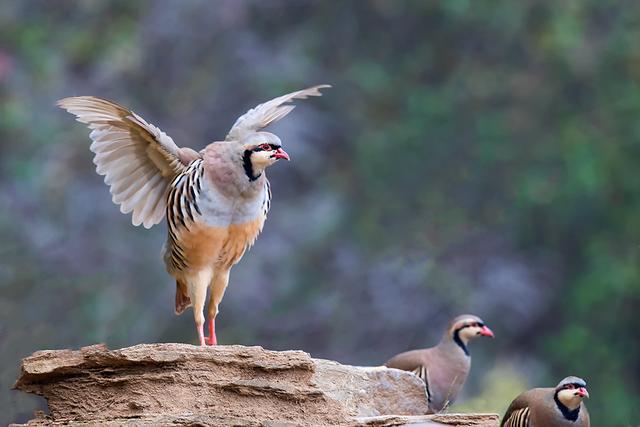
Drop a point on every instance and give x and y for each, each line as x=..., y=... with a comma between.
x=215, y=200
x=444, y=368
x=561, y=406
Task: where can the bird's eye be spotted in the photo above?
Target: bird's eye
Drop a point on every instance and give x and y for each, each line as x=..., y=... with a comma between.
x=570, y=386
x=265, y=147
x=474, y=324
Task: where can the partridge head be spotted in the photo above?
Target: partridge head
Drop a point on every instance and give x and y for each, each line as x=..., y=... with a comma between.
x=445, y=367
x=559, y=406
x=215, y=201
x=259, y=151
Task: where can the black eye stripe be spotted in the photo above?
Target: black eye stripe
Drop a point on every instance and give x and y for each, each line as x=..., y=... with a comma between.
x=572, y=386
x=271, y=147
x=469, y=325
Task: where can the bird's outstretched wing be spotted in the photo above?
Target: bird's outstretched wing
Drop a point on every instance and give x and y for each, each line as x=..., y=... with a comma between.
x=269, y=112
x=137, y=159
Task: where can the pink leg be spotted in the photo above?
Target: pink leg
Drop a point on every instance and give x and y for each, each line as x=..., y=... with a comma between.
x=211, y=339
x=201, y=334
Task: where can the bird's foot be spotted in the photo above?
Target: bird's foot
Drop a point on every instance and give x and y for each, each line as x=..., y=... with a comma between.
x=211, y=339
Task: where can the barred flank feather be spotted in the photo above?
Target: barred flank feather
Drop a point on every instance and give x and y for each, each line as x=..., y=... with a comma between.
x=266, y=204
x=182, y=208
x=519, y=418
x=422, y=372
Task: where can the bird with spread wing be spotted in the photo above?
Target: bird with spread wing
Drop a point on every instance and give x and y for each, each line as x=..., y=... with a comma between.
x=215, y=200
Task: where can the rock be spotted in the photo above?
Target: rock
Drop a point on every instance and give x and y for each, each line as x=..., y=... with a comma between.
x=180, y=384
x=440, y=420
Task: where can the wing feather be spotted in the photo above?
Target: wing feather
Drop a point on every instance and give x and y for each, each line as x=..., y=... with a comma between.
x=113, y=155
x=137, y=200
x=130, y=183
x=137, y=159
x=269, y=112
x=133, y=186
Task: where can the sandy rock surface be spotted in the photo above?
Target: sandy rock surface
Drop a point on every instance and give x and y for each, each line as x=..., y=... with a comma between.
x=181, y=384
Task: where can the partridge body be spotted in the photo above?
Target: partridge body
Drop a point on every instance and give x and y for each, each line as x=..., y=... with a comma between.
x=445, y=367
x=215, y=200
x=561, y=406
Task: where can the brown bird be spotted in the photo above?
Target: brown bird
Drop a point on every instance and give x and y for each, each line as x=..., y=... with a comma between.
x=215, y=200
x=561, y=406
x=444, y=368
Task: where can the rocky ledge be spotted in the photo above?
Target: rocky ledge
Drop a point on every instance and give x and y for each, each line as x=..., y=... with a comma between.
x=180, y=384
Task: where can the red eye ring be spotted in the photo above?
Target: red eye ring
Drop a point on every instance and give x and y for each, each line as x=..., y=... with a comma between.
x=265, y=147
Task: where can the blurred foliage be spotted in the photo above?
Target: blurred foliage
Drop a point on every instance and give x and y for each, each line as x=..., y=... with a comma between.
x=472, y=157
x=499, y=386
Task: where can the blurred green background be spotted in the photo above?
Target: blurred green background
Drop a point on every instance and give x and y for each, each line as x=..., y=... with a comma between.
x=472, y=157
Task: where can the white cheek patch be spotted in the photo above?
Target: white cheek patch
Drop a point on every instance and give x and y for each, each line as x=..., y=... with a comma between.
x=569, y=399
x=469, y=332
x=261, y=159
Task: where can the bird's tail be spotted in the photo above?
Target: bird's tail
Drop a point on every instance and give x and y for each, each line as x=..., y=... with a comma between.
x=182, y=297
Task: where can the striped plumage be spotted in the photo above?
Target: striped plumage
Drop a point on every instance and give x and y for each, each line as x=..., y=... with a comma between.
x=561, y=406
x=422, y=372
x=182, y=207
x=183, y=211
x=518, y=418
x=215, y=200
x=445, y=367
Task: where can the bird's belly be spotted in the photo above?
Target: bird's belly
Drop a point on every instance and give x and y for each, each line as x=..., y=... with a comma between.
x=240, y=237
x=204, y=246
x=200, y=245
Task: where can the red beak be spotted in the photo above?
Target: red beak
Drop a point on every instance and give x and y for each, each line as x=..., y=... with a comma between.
x=486, y=332
x=281, y=154
x=582, y=392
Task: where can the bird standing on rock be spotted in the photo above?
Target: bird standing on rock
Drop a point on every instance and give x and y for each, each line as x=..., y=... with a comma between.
x=561, y=406
x=215, y=200
x=444, y=368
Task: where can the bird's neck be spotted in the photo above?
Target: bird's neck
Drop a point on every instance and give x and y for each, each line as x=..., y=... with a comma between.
x=225, y=169
x=252, y=173
x=460, y=341
x=455, y=342
x=569, y=414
